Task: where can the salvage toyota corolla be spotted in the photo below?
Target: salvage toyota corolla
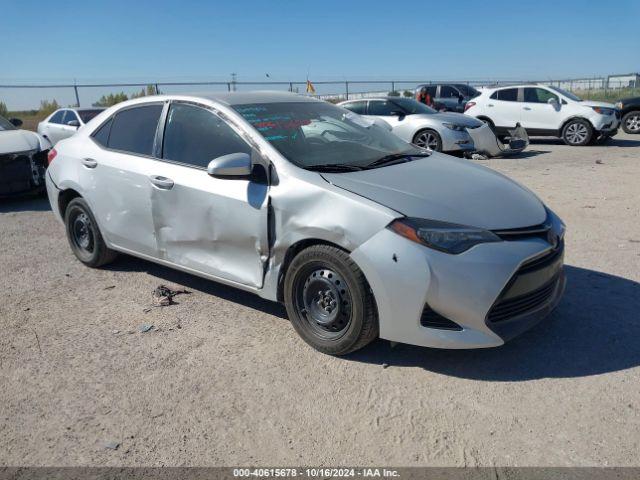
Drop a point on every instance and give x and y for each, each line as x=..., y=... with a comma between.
x=359, y=233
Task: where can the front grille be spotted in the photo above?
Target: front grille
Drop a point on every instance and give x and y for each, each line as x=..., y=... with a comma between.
x=505, y=309
x=432, y=319
x=535, y=231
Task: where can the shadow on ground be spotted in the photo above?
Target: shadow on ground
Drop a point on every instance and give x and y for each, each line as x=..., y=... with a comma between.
x=126, y=263
x=594, y=330
x=611, y=142
x=528, y=154
x=24, y=204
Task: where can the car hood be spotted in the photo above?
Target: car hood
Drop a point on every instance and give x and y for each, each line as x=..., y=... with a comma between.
x=448, y=189
x=450, y=117
x=589, y=103
x=12, y=141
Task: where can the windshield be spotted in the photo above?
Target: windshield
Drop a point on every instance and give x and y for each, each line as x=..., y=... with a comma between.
x=467, y=90
x=86, y=115
x=6, y=124
x=569, y=95
x=411, y=106
x=311, y=134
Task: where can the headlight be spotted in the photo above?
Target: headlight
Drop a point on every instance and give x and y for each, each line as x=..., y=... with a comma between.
x=603, y=111
x=619, y=105
x=445, y=237
x=453, y=126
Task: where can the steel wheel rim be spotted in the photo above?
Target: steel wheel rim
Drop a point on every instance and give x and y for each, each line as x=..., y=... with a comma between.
x=82, y=232
x=577, y=133
x=633, y=123
x=427, y=140
x=324, y=301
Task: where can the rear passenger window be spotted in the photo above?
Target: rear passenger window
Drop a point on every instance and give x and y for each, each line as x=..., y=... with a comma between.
x=357, y=107
x=101, y=135
x=195, y=136
x=134, y=129
x=506, y=95
x=57, y=117
x=69, y=116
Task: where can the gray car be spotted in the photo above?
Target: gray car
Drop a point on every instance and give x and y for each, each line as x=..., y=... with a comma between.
x=64, y=122
x=360, y=234
x=419, y=124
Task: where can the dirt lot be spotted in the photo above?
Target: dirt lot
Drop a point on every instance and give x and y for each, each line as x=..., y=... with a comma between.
x=222, y=379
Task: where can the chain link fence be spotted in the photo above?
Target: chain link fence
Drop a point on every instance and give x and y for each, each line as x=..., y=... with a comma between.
x=27, y=98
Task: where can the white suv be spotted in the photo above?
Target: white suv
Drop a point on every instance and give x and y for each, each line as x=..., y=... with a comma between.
x=545, y=111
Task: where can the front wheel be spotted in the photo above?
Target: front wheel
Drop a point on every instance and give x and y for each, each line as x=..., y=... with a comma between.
x=577, y=132
x=329, y=301
x=84, y=236
x=631, y=122
x=428, y=139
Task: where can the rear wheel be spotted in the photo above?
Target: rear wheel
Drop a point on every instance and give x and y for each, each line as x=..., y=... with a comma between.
x=329, y=301
x=428, y=139
x=631, y=122
x=84, y=236
x=577, y=132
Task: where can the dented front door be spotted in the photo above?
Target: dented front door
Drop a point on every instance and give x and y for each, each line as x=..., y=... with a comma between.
x=213, y=225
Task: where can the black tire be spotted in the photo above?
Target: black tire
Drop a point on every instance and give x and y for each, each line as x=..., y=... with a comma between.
x=84, y=235
x=329, y=301
x=428, y=138
x=631, y=122
x=577, y=132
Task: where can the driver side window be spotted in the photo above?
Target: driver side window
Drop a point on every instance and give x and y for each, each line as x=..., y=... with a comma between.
x=194, y=136
x=538, y=95
x=382, y=108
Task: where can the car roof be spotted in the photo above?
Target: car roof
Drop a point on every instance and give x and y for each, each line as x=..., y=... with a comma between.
x=388, y=97
x=243, y=98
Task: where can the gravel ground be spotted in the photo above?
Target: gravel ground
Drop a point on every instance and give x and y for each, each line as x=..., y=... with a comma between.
x=222, y=378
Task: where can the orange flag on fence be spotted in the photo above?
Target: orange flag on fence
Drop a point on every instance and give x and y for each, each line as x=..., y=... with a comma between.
x=310, y=87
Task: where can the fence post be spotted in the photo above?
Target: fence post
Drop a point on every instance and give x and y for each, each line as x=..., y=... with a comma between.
x=75, y=89
x=157, y=89
x=393, y=86
x=346, y=85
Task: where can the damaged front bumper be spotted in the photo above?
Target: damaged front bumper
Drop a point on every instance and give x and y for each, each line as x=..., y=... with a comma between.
x=487, y=144
x=22, y=172
x=480, y=298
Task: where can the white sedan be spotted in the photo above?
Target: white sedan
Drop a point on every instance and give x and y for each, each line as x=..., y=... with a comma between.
x=64, y=122
x=448, y=132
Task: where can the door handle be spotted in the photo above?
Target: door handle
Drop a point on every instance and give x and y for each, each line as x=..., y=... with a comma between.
x=161, y=182
x=526, y=108
x=89, y=162
x=489, y=104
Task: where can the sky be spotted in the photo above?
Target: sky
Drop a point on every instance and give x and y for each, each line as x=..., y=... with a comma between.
x=188, y=40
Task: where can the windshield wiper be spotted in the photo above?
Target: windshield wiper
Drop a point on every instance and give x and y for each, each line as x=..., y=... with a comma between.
x=395, y=158
x=334, y=167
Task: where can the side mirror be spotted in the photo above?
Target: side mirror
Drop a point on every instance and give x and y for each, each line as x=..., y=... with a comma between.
x=553, y=102
x=73, y=123
x=16, y=122
x=231, y=165
x=397, y=113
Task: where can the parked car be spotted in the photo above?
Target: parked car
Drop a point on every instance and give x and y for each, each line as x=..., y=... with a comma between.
x=23, y=156
x=450, y=97
x=545, y=111
x=64, y=122
x=416, y=123
x=630, y=113
x=357, y=232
